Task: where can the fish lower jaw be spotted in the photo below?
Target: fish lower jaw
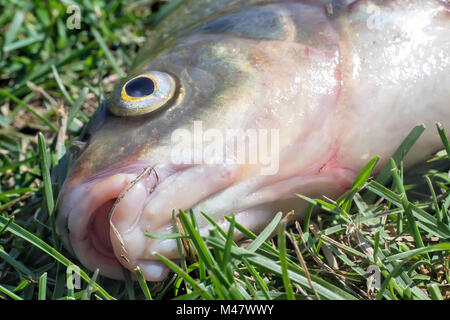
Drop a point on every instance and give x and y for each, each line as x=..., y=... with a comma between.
x=107, y=231
x=254, y=211
x=88, y=222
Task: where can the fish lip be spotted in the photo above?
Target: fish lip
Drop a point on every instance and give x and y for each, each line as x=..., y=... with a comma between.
x=73, y=205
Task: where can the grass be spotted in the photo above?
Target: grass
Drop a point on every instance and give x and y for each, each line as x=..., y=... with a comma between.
x=52, y=78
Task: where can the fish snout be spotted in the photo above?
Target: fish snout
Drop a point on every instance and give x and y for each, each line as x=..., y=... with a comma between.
x=102, y=222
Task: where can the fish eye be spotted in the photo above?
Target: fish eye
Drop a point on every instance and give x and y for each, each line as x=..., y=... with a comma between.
x=139, y=87
x=142, y=94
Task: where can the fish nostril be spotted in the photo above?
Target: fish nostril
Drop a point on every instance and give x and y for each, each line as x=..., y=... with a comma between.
x=140, y=87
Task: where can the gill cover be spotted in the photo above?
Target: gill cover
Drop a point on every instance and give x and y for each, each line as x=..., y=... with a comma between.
x=143, y=94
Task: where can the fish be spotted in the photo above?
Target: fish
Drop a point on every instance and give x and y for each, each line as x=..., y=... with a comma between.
x=234, y=107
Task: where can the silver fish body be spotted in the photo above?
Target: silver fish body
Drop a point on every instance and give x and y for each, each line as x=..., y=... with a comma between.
x=321, y=87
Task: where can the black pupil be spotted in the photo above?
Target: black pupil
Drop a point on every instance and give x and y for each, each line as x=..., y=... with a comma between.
x=140, y=87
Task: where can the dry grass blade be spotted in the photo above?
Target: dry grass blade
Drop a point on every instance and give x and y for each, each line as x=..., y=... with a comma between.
x=302, y=262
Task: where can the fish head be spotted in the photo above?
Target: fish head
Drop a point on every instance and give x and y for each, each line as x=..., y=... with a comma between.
x=209, y=122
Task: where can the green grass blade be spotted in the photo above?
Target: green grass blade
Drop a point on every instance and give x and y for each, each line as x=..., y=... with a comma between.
x=42, y=294
x=165, y=236
x=17, y=265
x=201, y=290
x=50, y=125
x=11, y=219
x=143, y=283
x=437, y=209
x=199, y=244
x=215, y=224
x=17, y=164
x=101, y=42
x=307, y=220
x=444, y=138
x=14, y=28
x=324, y=289
x=76, y=106
x=385, y=175
x=23, y=43
x=61, y=84
x=425, y=220
x=445, y=246
x=258, y=280
x=407, y=207
x=435, y=292
x=283, y=262
x=91, y=286
x=229, y=242
x=180, y=248
x=345, y=201
x=35, y=241
x=44, y=157
x=129, y=285
x=9, y=293
x=266, y=233
x=221, y=290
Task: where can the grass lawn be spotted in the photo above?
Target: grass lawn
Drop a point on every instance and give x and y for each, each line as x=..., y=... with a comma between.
x=394, y=227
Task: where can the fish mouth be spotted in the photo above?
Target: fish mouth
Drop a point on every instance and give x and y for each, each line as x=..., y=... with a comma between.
x=104, y=220
x=92, y=215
